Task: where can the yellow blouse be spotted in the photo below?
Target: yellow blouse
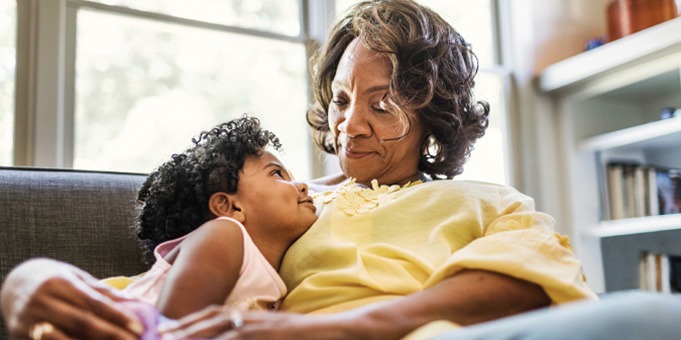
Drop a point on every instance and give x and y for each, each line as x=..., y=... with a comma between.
x=377, y=243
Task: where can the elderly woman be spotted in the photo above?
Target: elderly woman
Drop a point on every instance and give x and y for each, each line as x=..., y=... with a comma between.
x=398, y=244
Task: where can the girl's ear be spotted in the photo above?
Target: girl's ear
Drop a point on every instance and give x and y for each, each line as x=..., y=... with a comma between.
x=223, y=204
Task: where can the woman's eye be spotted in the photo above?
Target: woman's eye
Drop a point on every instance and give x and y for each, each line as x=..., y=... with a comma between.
x=278, y=173
x=380, y=108
x=338, y=101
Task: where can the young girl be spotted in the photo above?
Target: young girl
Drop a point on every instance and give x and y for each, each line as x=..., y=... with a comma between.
x=219, y=218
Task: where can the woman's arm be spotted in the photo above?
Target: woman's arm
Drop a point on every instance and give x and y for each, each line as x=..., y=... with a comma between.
x=468, y=297
x=205, y=269
x=74, y=302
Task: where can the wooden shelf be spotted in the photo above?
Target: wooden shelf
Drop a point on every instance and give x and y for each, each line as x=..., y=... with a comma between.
x=630, y=226
x=662, y=134
x=653, y=42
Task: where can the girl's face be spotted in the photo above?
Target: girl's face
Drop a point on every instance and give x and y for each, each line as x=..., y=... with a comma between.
x=271, y=200
x=371, y=142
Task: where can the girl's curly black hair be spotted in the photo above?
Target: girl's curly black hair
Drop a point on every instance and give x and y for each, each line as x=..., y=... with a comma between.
x=173, y=200
x=433, y=71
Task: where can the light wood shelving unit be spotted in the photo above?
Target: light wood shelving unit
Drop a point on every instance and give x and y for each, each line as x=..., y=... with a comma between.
x=608, y=102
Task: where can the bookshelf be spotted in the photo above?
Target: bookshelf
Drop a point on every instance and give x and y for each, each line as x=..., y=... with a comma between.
x=608, y=102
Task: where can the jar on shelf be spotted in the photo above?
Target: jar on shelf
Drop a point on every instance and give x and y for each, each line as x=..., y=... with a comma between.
x=630, y=16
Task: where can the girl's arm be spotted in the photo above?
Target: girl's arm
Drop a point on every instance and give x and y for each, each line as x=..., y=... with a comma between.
x=205, y=269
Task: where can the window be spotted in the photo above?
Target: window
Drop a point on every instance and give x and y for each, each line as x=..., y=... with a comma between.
x=145, y=88
x=121, y=85
x=8, y=33
x=476, y=21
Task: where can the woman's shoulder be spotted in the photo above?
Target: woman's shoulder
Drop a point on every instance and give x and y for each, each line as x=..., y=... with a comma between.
x=470, y=188
x=467, y=184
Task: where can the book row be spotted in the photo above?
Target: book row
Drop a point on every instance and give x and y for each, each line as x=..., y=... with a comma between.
x=635, y=190
x=660, y=273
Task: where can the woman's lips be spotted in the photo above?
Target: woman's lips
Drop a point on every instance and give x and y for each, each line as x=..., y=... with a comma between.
x=356, y=154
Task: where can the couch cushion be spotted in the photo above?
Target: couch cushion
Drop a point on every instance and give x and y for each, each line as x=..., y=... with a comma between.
x=81, y=217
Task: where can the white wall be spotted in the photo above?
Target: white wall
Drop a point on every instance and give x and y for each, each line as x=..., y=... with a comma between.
x=542, y=32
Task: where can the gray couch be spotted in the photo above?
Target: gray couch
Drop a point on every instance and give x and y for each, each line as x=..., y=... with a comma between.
x=81, y=217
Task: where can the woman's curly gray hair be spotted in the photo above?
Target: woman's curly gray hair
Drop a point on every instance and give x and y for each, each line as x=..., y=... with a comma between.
x=433, y=72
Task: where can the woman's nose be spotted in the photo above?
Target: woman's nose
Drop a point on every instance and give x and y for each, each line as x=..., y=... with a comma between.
x=354, y=122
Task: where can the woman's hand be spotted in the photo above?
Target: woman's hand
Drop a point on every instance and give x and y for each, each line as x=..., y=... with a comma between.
x=468, y=297
x=221, y=322
x=44, y=298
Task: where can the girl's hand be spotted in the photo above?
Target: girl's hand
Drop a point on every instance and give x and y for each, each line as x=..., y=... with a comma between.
x=60, y=300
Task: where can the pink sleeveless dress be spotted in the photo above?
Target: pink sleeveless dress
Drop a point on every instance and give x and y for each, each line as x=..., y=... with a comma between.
x=258, y=287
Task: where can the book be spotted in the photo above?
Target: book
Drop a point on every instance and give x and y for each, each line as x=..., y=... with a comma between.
x=675, y=273
x=664, y=273
x=639, y=194
x=630, y=186
x=669, y=191
x=653, y=208
x=615, y=180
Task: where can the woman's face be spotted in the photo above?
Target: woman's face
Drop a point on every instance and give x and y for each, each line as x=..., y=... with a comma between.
x=371, y=143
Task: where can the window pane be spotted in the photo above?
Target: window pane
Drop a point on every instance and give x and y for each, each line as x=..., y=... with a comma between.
x=279, y=16
x=8, y=24
x=144, y=89
x=472, y=18
x=488, y=160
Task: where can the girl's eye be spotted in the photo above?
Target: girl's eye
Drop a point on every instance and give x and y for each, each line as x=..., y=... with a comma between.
x=278, y=173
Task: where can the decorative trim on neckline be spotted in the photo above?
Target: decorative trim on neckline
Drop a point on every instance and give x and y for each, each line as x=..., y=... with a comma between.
x=355, y=199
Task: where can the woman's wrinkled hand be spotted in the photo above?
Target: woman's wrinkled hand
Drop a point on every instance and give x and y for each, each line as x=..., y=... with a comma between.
x=48, y=299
